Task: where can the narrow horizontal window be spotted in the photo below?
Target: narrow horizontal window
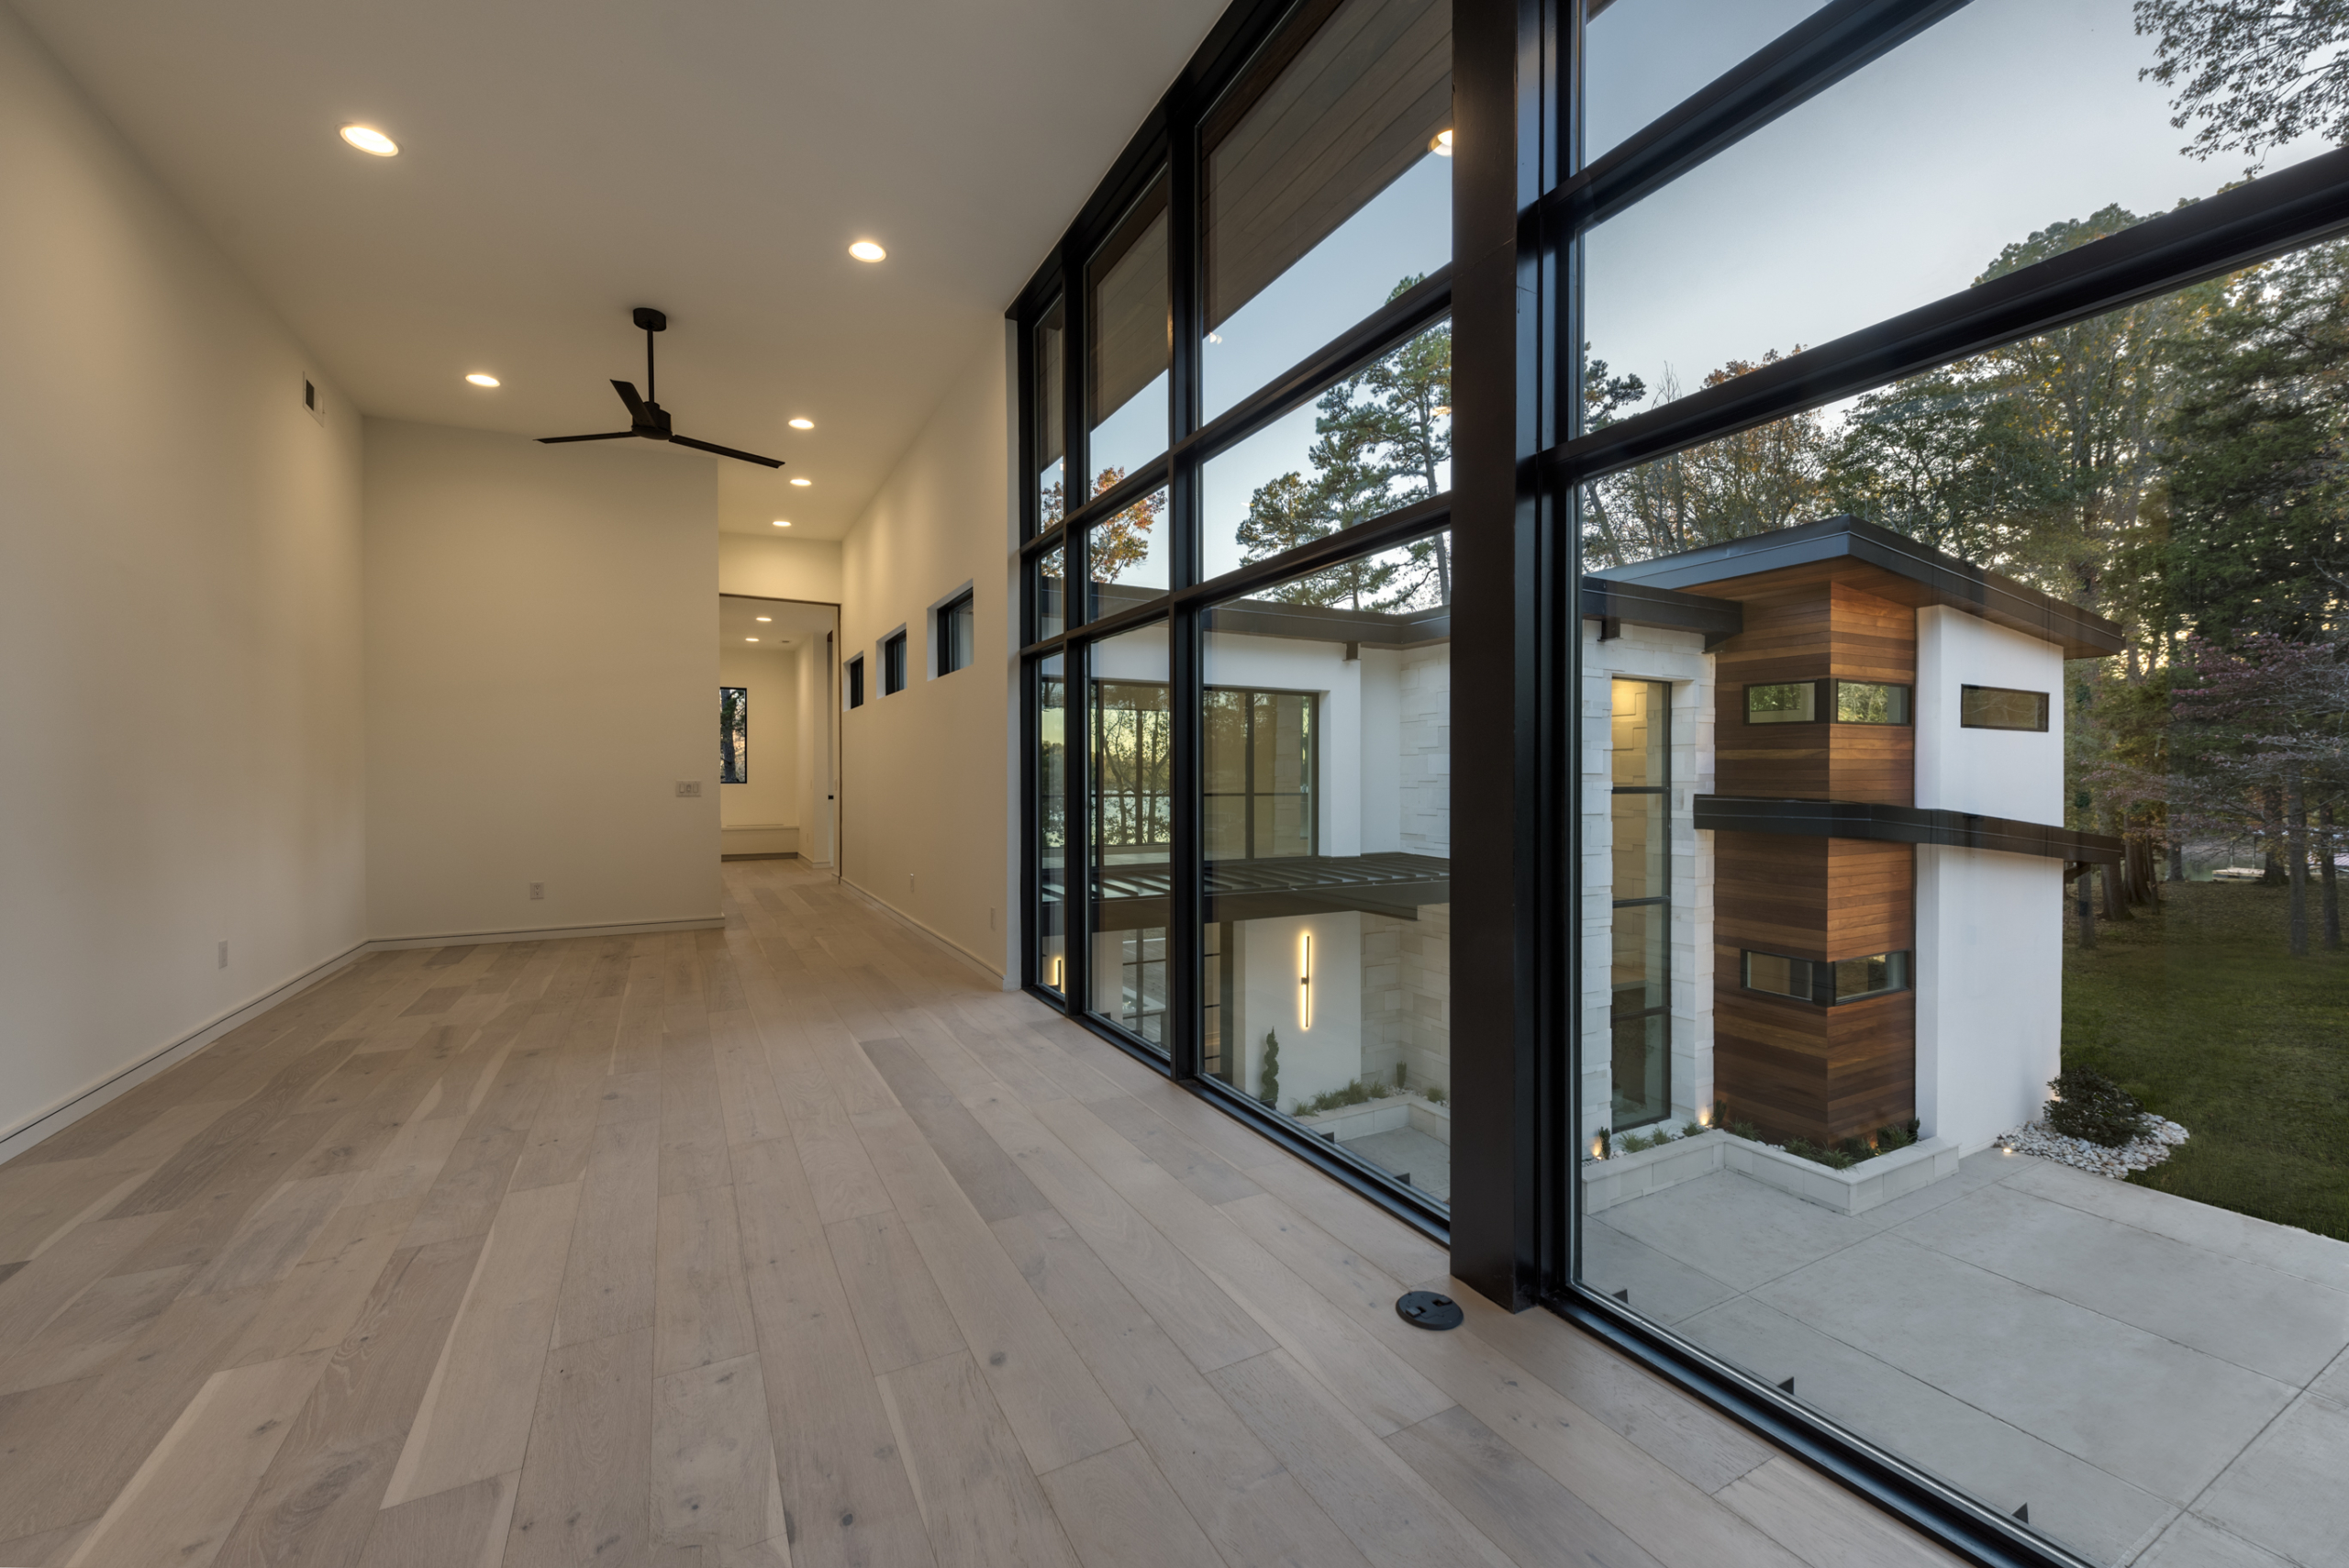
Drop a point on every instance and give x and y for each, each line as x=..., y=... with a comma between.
x=1999, y=708
x=1790, y=702
x=1877, y=974
x=856, y=682
x=1870, y=702
x=1778, y=975
x=893, y=665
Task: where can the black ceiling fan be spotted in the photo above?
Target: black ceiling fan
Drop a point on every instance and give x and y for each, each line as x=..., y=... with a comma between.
x=646, y=416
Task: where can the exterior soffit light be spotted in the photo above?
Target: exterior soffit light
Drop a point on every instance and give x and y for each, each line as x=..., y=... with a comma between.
x=1441, y=145
x=367, y=139
x=867, y=250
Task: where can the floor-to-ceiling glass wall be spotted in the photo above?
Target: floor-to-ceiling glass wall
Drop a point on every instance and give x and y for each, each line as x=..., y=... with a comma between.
x=1960, y=849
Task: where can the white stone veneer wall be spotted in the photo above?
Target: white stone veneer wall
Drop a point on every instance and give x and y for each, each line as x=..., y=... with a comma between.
x=1651, y=654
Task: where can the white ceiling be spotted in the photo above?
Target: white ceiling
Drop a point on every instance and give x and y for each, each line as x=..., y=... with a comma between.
x=791, y=623
x=563, y=163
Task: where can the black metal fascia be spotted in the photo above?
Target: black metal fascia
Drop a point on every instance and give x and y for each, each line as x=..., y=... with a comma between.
x=2233, y=229
x=1901, y=824
x=1805, y=60
x=1642, y=605
x=2082, y=633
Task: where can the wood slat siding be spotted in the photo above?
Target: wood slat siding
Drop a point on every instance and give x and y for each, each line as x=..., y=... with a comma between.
x=1793, y=1068
x=1835, y=618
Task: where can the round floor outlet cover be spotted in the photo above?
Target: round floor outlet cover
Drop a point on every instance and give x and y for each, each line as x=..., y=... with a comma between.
x=1426, y=1309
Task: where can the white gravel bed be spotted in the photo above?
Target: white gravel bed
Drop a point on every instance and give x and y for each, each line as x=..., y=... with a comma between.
x=2141, y=1153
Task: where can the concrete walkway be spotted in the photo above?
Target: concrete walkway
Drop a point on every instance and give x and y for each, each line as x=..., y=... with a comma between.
x=2160, y=1382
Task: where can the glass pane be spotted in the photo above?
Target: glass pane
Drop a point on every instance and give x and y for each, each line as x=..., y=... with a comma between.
x=1778, y=975
x=1870, y=976
x=1378, y=441
x=1926, y=171
x=1127, y=554
x=1638, y=736
x=1993, y=707
x=1795, y=702
x=1051, y=415
x=1639, y=1066
x=1866, y=702
x=1328, y=179
x=1642, y=848
x=1646, y=56
x=1132, y=341
x=1128, y=807
x=1050, y=573
x=961, y=625
x=1327, y=764
x=1638, y=944
x=1051, y=822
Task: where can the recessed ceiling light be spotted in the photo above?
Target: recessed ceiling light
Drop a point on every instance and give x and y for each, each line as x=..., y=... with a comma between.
x=803, y=484
x=1442, y=145
x=750, y=640
x=763, y=618
x=478, y=379
x=866, y=250
x=803, y=424
x=367, y=139
x=783, y=522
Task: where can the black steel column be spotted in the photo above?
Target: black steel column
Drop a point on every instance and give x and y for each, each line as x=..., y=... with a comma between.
x=1184, y=920
x=1077, y=605
x=1502, y=398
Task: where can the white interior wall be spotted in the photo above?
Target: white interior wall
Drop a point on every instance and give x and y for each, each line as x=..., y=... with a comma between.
x=179, y=625
x=541, y=658
x=924, y=772
x=762, y=815
x=779, y=568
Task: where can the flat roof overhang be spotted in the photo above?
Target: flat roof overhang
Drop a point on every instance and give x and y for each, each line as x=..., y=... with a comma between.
x=1902, y=825
x=1133, y=896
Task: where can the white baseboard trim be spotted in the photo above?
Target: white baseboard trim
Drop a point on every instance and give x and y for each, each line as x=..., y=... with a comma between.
x=550, y=933
x=83, y=1100
x=992, y=971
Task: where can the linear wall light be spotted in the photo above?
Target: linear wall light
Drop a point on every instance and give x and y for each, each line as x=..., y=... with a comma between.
x=1305, y=981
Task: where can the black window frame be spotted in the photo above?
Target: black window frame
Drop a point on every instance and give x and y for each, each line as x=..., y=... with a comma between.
x=893, y=663
x=941, y=628
x=1963, y=691
x=852, y=680
x=1823, y=992
x=1523, y=194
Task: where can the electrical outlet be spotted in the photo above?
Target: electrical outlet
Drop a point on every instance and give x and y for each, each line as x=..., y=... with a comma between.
x=223, y=961
x=689, y=789
x=537, y=890
x=910, y=881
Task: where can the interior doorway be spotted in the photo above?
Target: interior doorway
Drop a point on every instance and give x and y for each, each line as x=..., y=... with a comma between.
x=779, y=711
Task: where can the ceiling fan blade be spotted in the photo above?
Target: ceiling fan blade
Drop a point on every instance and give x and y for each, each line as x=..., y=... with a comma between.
x=725, y=451
x=605, y=436
x=628, y=395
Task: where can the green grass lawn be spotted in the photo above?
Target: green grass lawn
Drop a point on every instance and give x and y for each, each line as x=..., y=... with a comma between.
x=2199, y=1011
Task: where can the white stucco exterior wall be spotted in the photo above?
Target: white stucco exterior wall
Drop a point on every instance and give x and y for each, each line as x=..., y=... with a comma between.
x=1989, y=953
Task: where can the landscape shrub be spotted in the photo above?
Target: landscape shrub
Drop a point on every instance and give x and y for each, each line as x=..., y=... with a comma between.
x=2087, y=1105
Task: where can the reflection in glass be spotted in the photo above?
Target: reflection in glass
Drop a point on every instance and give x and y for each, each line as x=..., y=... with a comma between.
x=1129, y=809
x=1643, y=57
x=1327, y=767
x=1640, y=979
x=1778, y=974
x=1327, y=179
x=1126, y=552
x=1050, y=593
x=1133, y=339
x=1377, y=441
x=1874, y=975
x=1895, y=187
x=1051, y=415
x=1788, y=702
x=1870, y=702
x=1999, y=708
x=1051, y=822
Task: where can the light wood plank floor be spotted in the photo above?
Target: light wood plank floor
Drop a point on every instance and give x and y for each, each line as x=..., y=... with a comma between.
x=795, y=1242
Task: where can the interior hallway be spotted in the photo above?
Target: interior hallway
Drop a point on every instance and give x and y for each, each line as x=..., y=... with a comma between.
x=795, y=1243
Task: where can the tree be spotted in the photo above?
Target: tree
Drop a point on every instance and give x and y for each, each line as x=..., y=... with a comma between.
x=2257, y=73
x=1121, y=540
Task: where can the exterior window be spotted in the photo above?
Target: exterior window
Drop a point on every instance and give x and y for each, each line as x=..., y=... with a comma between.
x=1050, y=414
x=893, y=664
x=955, y=632
x=1640, y=1013
x=1844, y=980
x=1791, y=702
x=733, y=735
x=1998, y=707
x=1130, y=823
x=1261, y=769
x=1132, y=341
x=1847, y=702
x=1867, y=702
x=856, y=682
x=1052, y=823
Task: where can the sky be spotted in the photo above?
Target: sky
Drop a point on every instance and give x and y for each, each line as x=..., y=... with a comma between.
x=1894, y=188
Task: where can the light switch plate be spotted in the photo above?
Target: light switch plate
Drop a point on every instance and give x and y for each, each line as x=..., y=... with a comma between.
x=689, y=789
